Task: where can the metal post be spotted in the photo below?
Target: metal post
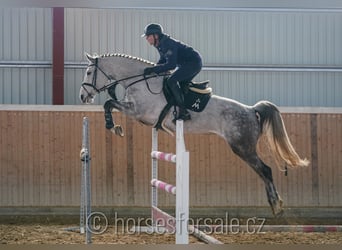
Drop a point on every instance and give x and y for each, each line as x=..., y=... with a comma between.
x=85, y=210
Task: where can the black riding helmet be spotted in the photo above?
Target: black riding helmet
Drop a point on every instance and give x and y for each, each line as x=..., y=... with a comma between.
x=152, y=28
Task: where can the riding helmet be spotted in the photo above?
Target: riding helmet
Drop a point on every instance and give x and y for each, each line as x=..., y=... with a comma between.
x=153, y=28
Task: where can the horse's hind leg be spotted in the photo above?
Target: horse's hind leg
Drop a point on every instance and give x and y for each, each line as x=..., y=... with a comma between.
x=272, y=195
x=265, y=173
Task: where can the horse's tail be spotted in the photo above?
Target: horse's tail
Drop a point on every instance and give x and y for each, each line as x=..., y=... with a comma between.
x=272, y=124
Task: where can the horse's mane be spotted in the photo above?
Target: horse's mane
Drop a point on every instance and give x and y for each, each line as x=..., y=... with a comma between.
x=124, y=56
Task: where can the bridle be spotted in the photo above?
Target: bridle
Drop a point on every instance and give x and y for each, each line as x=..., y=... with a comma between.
x=113, y=82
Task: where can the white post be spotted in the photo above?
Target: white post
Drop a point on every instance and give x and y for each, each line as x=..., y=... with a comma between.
x=154, y=191
x=182, y=184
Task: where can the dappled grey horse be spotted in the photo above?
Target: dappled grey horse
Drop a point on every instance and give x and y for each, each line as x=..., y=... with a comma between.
x=143, y=99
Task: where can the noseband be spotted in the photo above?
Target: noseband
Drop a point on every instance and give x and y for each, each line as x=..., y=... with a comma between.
x=112, y=82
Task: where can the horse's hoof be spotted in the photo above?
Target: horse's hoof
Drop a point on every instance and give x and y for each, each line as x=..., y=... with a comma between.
x=109, y=125
x=277, y=209
x=117, y=129
x=279, y=214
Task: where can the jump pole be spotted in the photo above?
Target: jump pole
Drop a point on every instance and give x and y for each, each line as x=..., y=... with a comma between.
x=251, y=229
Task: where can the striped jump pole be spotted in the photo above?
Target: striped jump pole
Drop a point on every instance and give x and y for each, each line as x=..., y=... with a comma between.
x=163, y=186
x=163, y=156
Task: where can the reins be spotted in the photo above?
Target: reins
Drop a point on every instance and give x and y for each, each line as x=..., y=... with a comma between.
x=115, y=82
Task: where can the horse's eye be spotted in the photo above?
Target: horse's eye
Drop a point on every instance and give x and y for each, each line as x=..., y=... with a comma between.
x=88, y=73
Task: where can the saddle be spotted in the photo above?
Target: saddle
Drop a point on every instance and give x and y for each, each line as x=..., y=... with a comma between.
x=196, y=96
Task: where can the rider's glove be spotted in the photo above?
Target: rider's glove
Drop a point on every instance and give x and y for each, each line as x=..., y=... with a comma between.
x=148, y=71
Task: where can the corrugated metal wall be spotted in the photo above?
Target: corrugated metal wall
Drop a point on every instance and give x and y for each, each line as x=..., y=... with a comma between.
x=223, y=37
x=320, y=89
x=300, y=50
x=227, y=38
x=26, y=38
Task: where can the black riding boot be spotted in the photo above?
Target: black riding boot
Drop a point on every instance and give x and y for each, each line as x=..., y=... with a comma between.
x=183, y=114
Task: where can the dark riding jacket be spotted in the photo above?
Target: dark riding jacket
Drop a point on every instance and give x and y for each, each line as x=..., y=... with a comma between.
x=174, y=53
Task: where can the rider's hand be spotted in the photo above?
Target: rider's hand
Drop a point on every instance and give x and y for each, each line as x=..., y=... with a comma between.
x=148, y=71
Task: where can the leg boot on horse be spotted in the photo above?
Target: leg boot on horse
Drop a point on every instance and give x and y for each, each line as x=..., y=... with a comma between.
x=178, y=95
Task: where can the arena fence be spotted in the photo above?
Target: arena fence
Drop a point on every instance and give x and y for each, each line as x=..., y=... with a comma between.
x=39, y=164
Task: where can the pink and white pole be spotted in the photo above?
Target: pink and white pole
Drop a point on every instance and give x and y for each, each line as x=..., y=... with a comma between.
x=163, y=156
x=164, y=186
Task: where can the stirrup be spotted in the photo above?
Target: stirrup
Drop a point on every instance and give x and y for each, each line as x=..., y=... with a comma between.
x=182, y=116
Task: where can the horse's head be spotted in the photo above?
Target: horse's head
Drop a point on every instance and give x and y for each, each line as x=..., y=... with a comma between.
x=110, y=70
x=131, y=92
x=94, y=80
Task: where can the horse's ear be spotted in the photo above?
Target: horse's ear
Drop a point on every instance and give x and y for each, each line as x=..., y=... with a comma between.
x=89, y=57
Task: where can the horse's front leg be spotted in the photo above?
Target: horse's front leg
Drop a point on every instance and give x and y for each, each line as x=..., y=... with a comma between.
x=108, y=108
x=110, y=124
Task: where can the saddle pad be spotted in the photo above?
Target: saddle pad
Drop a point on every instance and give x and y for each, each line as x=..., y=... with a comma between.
x=196, y=101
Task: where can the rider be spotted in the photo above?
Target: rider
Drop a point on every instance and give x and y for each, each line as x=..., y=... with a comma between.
x=173, y=55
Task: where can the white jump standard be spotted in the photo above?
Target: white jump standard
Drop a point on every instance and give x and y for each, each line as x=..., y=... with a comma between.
x=162, y=221
x=179, y=225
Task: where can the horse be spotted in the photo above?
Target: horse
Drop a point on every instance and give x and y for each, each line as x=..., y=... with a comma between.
x=240, y=125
